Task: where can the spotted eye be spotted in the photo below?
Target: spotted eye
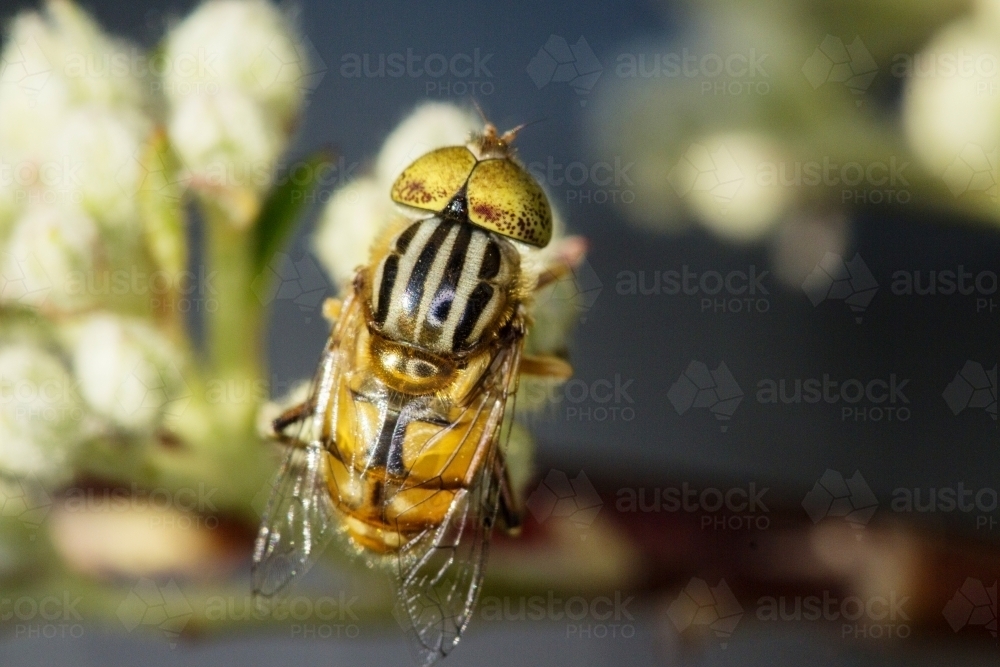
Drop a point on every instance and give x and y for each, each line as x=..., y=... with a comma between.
x=433, y=179
x=505, y=199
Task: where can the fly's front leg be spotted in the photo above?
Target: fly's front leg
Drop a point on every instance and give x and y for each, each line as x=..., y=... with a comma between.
x=289, y=417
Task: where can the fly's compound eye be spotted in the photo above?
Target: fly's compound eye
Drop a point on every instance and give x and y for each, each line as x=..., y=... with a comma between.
x=504, y=198
x=433, y=179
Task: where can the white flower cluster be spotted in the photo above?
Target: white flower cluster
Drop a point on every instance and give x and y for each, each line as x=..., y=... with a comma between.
x=78, y=122
x=236, y=74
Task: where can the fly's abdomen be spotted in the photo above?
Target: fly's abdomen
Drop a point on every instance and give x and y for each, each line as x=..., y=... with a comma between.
x=443, y=286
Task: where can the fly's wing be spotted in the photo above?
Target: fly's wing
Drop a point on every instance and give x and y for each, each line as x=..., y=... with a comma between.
x=441, y=570
x=299, y=520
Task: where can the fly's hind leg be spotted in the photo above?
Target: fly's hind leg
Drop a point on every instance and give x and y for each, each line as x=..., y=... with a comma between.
x=511, y=508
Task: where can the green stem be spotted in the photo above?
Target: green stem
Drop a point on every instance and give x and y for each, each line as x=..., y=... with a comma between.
x=235, y=328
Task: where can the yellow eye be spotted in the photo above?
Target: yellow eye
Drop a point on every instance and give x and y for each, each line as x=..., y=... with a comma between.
x=505, y=199
x=433, y=179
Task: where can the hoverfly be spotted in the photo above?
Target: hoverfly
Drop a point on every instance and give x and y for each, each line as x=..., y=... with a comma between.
x=399, y=446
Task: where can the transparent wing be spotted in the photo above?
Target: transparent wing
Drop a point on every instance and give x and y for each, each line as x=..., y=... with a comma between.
x=300, y=519
x=298, y=522
x=441, y=570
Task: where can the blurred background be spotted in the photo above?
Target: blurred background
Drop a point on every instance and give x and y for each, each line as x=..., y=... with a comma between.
x=780, y=443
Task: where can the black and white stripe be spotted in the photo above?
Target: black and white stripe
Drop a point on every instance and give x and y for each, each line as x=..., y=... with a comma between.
x=442, y=284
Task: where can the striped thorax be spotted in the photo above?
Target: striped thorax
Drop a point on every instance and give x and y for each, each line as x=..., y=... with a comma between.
x=443, y=287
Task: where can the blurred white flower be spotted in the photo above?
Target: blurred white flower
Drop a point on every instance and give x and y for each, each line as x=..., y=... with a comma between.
x=717, y=179
x=952, y=100
x=226, y=142
x=47, y=257
x=42, y=421
x=127, y=370
x=52, y=64
x=94, y=159
x=243, y=46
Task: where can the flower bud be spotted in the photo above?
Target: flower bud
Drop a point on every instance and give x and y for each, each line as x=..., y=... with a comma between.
x=42, y=420
x=128, y=371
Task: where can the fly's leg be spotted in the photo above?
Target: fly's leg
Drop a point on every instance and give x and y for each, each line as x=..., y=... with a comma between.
x=331, y=310
x=547, y=366
x=289, y=417
x=511, y=507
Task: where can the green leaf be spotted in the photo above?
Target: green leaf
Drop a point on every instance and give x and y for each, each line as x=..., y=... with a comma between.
x=284, y=204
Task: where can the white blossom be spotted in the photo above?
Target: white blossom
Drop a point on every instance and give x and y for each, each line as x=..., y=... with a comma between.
x=128, y=371
x=42, y=421
x=242, y=46
x=47, y=257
